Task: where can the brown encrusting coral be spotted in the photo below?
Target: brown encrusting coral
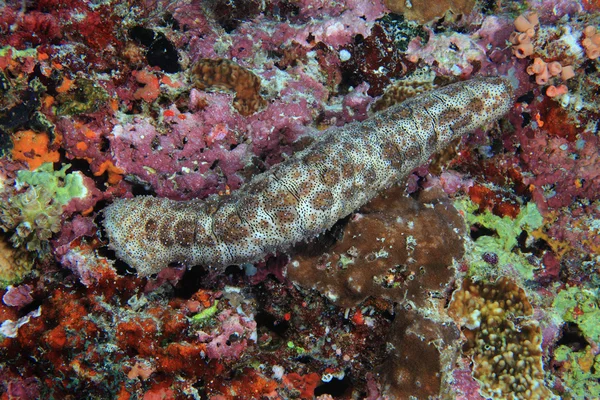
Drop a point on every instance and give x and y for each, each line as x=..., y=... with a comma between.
x=424, y=11
x=395, y=247
x=225, y=74
x=502, y=339
x=420, y=357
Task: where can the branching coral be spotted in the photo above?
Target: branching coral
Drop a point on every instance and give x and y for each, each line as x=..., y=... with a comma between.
x=504, y=343
x=225, y=74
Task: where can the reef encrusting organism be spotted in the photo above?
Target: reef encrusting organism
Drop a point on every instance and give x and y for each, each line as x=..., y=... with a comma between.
x=396, y=247
x=225, y=74
x=426, y=11
x=503, y=341
x=32, y=209
x=307, y=193
x=421, y=352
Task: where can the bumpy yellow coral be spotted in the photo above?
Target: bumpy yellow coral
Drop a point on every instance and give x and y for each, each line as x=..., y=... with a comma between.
x=15, y=264
x=505, y=345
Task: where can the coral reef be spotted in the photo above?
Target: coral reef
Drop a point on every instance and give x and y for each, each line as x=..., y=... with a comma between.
x=425, y=11
x=495, y=246
x=475, y=277
x=32, y=210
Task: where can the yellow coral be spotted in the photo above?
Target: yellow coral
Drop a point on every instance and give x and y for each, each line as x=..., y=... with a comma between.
x=504, y=344
x=15, y=264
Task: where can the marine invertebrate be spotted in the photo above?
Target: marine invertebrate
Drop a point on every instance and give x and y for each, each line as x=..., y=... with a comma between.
x=151, y=87
x=410, y=260
x=33, y=148
x=307, y=193
x=591, y=42
x=504, y=343
x=425, y=11
x=580, y=306
x=579, y=371
x=15, y=264
x=420, y=356
x=225, y=74
x=34, y=214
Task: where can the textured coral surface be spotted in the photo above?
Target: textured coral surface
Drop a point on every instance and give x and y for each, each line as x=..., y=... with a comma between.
x=474, y=276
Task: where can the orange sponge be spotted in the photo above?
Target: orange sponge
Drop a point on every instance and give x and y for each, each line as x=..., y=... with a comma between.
x=32, y=148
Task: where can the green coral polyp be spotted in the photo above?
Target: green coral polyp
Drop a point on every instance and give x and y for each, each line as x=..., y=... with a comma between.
x=35, y=204
x=61, y=186
x=503, y=242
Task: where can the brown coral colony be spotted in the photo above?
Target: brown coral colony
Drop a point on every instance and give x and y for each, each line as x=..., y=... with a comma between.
x=225, y=74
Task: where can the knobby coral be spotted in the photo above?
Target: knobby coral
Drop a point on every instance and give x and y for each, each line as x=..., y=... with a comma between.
x=503, y=341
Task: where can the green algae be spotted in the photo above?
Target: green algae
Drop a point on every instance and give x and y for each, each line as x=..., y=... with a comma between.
x=580, y=372
x=206, y=314
x=32, y=52
x=503, y=243
x=31, y=210
x=61, y=186
x=582, y=307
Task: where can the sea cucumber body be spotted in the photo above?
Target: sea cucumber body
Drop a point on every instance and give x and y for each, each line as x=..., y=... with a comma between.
x=307, y=193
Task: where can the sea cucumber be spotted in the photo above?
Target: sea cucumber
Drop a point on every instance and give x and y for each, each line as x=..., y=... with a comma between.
x=307, y=193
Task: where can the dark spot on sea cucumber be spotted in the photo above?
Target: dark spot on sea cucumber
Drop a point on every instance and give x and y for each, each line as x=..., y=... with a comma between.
x=150, y=226
x=322, y=201
x=165, y=234
x=184, y=231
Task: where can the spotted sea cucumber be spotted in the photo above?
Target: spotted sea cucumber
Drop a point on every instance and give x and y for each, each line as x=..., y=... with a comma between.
x=307, y=193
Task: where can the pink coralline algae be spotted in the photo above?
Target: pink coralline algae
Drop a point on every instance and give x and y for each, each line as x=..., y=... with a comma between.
x=205, y=151
x=234, y=334
x=490, y=246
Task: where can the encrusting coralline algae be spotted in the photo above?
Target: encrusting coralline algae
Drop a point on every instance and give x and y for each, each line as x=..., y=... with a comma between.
x=307, y=193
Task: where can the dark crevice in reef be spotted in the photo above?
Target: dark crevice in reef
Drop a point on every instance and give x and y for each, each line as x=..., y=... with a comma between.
x=478, y=231
x=572, y=337
x=335, y=387
x=270, y=322
x=191, y=282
